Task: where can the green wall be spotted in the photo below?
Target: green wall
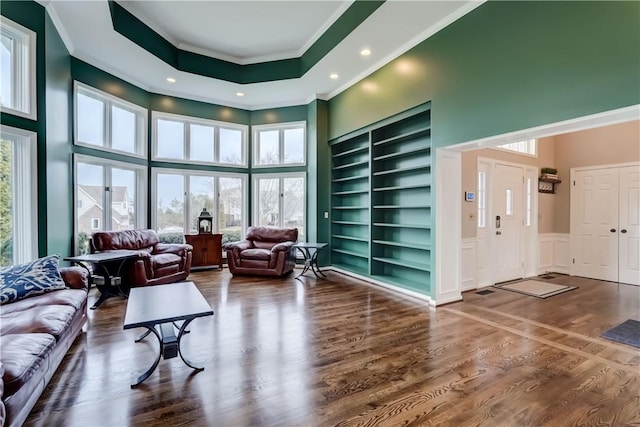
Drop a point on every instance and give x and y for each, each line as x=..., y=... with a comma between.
x=507, y=66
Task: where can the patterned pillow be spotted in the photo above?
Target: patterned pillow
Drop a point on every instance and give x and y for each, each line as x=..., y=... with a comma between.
x=33, y=278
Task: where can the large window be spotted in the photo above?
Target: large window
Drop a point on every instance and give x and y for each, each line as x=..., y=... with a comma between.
x=109, y=123
x=109, y=196
x=279, y=145
x=180, y=196
x=279, y=201
x=18, y=73
x=18, y=202
x=192, y=140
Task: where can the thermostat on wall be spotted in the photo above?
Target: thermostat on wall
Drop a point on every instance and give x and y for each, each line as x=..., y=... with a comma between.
x=469, y=196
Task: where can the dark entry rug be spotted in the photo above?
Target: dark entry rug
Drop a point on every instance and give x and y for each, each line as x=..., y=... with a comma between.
x=627, y=333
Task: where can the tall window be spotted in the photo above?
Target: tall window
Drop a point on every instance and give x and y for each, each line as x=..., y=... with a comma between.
x=109, y=196
x=193, y=140
x=18, y=69
x=109, y=123
x=18, y=191
x=279, y=145
x=279, y=201
x=527, y=147
x=180, y=196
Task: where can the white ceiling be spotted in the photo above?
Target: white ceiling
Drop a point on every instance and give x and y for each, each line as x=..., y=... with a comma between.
x=245, y=32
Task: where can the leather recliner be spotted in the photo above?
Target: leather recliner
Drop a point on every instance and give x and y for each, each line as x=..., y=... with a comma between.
x=265, y=251
x=157, y=263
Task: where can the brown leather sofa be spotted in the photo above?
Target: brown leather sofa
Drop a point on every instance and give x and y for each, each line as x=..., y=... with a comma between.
x=157, y=263
x=35, y=334
x=265, y=251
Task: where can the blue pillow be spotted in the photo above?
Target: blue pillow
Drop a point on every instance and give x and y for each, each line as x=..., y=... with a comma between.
x=33, y=278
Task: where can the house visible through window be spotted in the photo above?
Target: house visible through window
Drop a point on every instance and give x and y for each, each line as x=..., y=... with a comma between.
x=280, y=145
x=95, y=223
x=279, y=201
x=18, y=78
x=18, y=196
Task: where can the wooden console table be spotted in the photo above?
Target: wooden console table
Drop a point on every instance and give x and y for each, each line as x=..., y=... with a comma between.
x=207, y=250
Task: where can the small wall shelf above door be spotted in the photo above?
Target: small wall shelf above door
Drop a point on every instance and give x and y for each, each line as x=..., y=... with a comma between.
x=547, y=185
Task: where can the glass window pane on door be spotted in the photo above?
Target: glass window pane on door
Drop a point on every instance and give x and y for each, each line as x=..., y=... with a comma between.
x=123, y=199
x=201, y=143
x=230, y=214
x=91, y=114
x=90, y=201
x=170, y=205
x=170, y=139
x=293, y=205
x=268, y=202
x=201, y=196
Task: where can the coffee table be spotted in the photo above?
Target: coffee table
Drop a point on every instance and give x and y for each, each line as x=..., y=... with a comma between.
x=158, y=308
x=110, y=264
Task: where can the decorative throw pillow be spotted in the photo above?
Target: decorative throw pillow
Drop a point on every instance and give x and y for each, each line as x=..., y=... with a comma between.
x=33, y=278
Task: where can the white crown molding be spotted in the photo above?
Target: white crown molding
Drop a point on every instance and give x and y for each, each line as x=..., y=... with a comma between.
x=323, y=29
x=444, y=22
x=57, y=22
x=109, y=69
x=132, y=10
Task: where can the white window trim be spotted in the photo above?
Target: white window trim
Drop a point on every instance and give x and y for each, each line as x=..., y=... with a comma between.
x=281, y=177
x=24, y=91
x=186, y=121
x=110, y=100
x=189, y=211
x=141, y=189
x=280, y=127
x=25, y=193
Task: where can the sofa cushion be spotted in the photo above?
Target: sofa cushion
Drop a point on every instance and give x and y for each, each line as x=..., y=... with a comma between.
x=125, y=239
x=257, y=254
x=165, y=260
x=22, y=356
x=29, y=279
x=69, y=297
x=51, y=319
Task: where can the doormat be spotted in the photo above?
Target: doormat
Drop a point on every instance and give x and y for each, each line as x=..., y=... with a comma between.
x=535, y=288
x=627, y=332
x=485, y=292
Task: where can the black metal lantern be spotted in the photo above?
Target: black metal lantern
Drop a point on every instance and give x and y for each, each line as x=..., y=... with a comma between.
x=205, y=222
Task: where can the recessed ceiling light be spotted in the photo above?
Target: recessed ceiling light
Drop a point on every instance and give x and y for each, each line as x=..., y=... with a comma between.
x=239, y=94
x=171, y=80
x=333, y=76
x=365, y=52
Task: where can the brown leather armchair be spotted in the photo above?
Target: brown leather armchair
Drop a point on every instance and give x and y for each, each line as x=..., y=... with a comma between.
x=157, y=263
x=265, y=251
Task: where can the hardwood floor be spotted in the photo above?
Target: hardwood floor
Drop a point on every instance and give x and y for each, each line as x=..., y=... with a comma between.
x=340, y=352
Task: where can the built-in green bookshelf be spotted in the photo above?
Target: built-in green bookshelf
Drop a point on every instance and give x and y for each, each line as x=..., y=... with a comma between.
x=381, y=201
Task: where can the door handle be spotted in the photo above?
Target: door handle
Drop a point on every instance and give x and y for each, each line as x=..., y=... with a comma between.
x=613, y=230
x=498, y=233
x=623, y=231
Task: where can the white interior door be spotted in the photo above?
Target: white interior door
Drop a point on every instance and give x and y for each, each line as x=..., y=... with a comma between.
x=629, y=225
x=507, y=222
x=594, y=224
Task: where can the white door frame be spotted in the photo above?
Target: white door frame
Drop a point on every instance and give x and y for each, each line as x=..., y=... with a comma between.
x=447, y=258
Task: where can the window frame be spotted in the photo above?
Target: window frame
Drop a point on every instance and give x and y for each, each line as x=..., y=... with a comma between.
x=281, y=177
x=281, y=128
x=25, y=196
x=24, y=70
x=534, y=141
x=189, y=211
x=140, y=201
x=189, y=120
x=110, y=101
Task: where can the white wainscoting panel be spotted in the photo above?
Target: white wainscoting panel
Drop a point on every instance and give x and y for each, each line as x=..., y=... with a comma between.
x=469, y=264
x=554, y=253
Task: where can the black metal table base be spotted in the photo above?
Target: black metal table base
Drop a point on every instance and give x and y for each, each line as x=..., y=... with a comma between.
x=311, y=263
x=168, y=346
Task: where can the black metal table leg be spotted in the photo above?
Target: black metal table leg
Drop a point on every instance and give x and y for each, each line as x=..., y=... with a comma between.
x=153, y=367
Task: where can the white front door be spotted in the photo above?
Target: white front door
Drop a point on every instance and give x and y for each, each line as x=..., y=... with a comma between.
x=594, y=224
x=629, y=225
x=507, y=222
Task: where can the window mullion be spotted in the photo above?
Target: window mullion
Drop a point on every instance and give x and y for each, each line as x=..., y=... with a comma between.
x=107, y=124
x=281, y=145
x=106, y=198
x=216, y=204
x=216, y=144
x=186, y=201
x=187, y=142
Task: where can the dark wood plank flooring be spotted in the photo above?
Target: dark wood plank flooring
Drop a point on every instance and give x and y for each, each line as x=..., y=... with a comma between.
x=340, y=352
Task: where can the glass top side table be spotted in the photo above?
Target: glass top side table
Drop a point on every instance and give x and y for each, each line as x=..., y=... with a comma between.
x=310, y=251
